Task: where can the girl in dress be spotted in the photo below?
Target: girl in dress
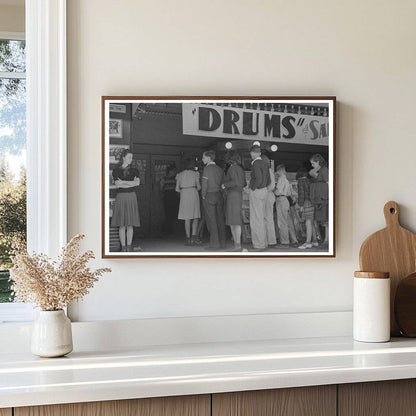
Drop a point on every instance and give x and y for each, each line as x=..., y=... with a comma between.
x=319, y=191
x=306, y=208
x=188, y=185
x=234, y=183
x=126, y=209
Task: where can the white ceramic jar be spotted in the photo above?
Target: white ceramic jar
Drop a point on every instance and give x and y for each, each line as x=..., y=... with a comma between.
x=52, y=334
x=371, y=307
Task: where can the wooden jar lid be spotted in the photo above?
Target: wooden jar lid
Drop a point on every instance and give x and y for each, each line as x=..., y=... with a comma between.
x=372, y=275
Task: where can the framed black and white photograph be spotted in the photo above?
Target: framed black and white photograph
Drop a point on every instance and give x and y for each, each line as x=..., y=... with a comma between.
x=218, y=177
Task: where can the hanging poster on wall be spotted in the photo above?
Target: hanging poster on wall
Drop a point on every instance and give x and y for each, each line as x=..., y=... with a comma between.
x=218, y=177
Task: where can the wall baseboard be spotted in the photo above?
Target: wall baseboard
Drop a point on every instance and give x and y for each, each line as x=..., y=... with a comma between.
x=112, y=335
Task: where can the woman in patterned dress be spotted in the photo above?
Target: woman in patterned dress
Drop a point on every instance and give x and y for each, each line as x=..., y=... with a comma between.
x=319, y=191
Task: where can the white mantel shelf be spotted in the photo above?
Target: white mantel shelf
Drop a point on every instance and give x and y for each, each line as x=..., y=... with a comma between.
x=200, y=368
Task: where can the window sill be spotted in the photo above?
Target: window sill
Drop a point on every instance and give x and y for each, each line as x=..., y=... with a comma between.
x=16, y=313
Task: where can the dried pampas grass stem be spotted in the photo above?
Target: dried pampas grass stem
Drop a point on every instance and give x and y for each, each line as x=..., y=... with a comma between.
x=53, y=285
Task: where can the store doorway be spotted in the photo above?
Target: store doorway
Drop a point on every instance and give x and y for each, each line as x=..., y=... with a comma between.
x=164, y=210
x=150, y=194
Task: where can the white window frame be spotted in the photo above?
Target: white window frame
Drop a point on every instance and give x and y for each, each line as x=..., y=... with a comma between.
x=12, y=35
x=46, y=121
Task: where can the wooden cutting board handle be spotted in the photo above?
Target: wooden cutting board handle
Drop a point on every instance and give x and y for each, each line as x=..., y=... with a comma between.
x=391, y=214
x=393, y=250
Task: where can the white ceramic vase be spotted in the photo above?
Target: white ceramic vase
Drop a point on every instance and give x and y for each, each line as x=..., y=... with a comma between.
x=52, y=334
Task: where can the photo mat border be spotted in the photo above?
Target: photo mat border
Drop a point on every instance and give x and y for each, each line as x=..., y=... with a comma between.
x=105, y=101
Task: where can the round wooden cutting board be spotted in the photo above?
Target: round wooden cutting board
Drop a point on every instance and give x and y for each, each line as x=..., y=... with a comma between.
x=392, y=250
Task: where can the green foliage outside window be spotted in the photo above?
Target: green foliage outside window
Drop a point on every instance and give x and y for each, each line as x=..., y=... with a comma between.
x=12, y=224
x=12, y=146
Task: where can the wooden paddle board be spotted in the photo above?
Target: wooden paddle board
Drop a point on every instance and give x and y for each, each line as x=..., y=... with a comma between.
x=405, y=306
x=393, y=250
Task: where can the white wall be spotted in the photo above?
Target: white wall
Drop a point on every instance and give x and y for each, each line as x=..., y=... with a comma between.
x=361, y=51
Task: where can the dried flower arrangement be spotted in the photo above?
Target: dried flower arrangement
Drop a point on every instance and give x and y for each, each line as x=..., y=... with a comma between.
x=52, y=285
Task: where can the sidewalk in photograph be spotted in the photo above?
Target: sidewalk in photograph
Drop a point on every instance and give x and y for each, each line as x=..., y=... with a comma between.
x=178, y=245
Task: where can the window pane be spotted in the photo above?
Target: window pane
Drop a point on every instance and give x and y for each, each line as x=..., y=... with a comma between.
x=12, y=56
x=12, y=174
x=12, y=117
